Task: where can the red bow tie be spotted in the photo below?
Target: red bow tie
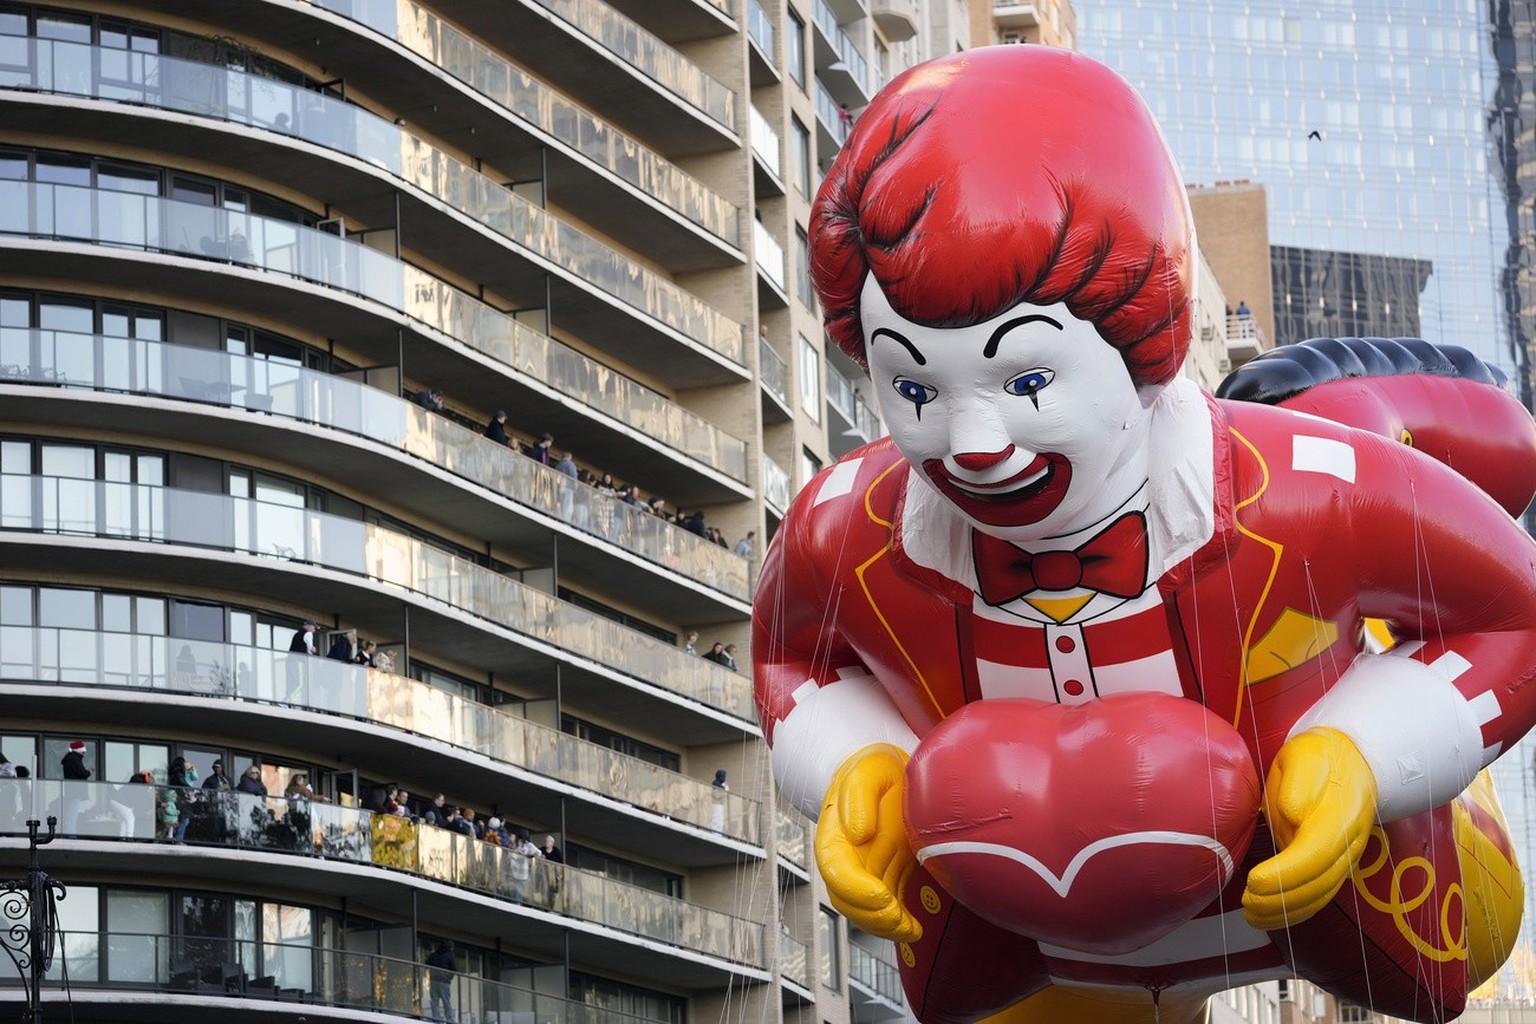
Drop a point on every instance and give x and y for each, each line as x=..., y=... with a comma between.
x=1114, y=562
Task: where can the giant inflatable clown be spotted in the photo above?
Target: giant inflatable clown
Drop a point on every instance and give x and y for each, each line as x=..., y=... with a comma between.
x=1074, y=668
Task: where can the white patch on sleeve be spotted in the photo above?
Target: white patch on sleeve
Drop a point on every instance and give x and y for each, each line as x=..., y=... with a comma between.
x=1323, y=455
x=827, y=725
x=838, y=482
x=1419, y=735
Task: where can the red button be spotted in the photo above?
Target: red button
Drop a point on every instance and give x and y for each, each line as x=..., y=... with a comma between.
x=1073, y=687
x=1065, y=644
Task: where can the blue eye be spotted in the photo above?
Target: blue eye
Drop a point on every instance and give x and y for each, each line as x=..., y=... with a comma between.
x=918, y=394
x=1030, y=383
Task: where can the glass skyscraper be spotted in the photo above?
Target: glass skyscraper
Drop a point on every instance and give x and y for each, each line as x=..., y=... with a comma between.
x=1365, y=121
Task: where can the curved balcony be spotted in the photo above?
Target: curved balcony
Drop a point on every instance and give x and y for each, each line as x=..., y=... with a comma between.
x=603, y=56
x=790, y=826
x=130, y=814
x=120, y=219
x=515, y=91
x=795, y=961
x=163, y=664
x=181, y=970
x=144, y=367
x=151, y=80
x=165, y=516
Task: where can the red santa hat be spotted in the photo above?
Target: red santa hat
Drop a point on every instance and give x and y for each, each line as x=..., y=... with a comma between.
x=78, y=746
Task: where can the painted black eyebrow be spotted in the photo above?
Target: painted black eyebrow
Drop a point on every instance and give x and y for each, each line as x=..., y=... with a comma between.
x=997, y=336
x=887, y=332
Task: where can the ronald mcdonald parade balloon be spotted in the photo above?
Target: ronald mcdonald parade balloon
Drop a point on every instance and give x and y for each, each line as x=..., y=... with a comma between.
x=1109, y=694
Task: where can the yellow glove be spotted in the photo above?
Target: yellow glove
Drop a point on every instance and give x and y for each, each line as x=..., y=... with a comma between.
x=1320, y=800
x=861, y=843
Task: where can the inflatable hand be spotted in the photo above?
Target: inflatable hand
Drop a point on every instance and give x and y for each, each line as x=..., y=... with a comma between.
x=861, y=843
x=1320, y=800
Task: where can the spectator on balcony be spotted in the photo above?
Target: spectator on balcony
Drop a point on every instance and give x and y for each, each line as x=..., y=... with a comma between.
x=716, y=653
x=567, y=465
x=403, y=805
x=521, y=868
x=76, y=794
x=467, y=824
x=543, y=450
x=300, y=789
x=183, y=776
x=442, y=963
x=430, y=399
x=344, y=647
x=746, y=546
x=303, y=642
x=728, y=657
x=549, y=864
x=437, y=811
x=694, y=523
x=496, y=429
x=239, y=248
x=691, y=642
x=493, y=832
x=217, y=779
x=717, y=809
x=1242, y=308
x=251, y=782
x=367, y=654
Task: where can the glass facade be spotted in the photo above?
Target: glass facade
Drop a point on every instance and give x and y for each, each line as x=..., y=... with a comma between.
x=1364, y=122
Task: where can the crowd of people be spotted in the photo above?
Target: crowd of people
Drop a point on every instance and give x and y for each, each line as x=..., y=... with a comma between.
x=719, y=652
x=345, y=647
x=542, y=451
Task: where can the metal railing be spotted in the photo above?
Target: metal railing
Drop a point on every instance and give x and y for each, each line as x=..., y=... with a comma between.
x=162, y=664
x=777, y=490
x=133, y=812
x=647, y=54
x=163, y=515
x=493, y=76
x=1243, y=331
x=128, y=220
x=150, y=79
x=768, y=253
x=145, y=367
x=182, y=965
x=878, y=975
x=773, y=370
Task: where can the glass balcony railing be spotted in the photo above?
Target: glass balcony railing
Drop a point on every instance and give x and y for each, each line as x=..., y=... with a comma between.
x=878, y=975
x=137, y=661
x=653, y=58
x=765, y=141
x=760, y=29
x=139, y=812
x=129, y=220
x=794, y=960
x=509, y=86
x=773, y=370
x=174, y=371
x=847, y=49
x=776, y=486
x=146, y=78
x=768, y=253
x=791, y=835
x=95, y=508
x=830, y=114
x=843, y=397
x=183, y=965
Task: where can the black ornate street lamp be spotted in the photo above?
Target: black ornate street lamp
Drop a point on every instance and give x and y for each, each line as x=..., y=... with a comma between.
x=29, y=921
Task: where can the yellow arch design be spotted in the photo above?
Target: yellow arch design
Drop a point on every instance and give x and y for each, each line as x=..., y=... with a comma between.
x=1274, y=569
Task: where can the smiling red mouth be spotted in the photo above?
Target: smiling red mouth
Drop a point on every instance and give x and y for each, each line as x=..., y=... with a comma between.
x=1026, y=497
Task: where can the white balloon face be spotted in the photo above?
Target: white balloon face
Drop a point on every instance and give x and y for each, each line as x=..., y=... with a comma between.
x=1029, y=423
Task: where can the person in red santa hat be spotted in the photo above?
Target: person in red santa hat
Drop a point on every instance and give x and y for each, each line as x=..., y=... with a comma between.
x=1038, y=659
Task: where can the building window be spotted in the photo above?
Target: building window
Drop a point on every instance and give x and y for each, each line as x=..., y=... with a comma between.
x=1350, y=1013
x=800, y=155
x=794, y=47
x=810, y=379
x=826, y=941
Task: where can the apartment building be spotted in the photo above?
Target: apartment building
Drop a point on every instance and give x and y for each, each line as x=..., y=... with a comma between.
x=291, y=292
